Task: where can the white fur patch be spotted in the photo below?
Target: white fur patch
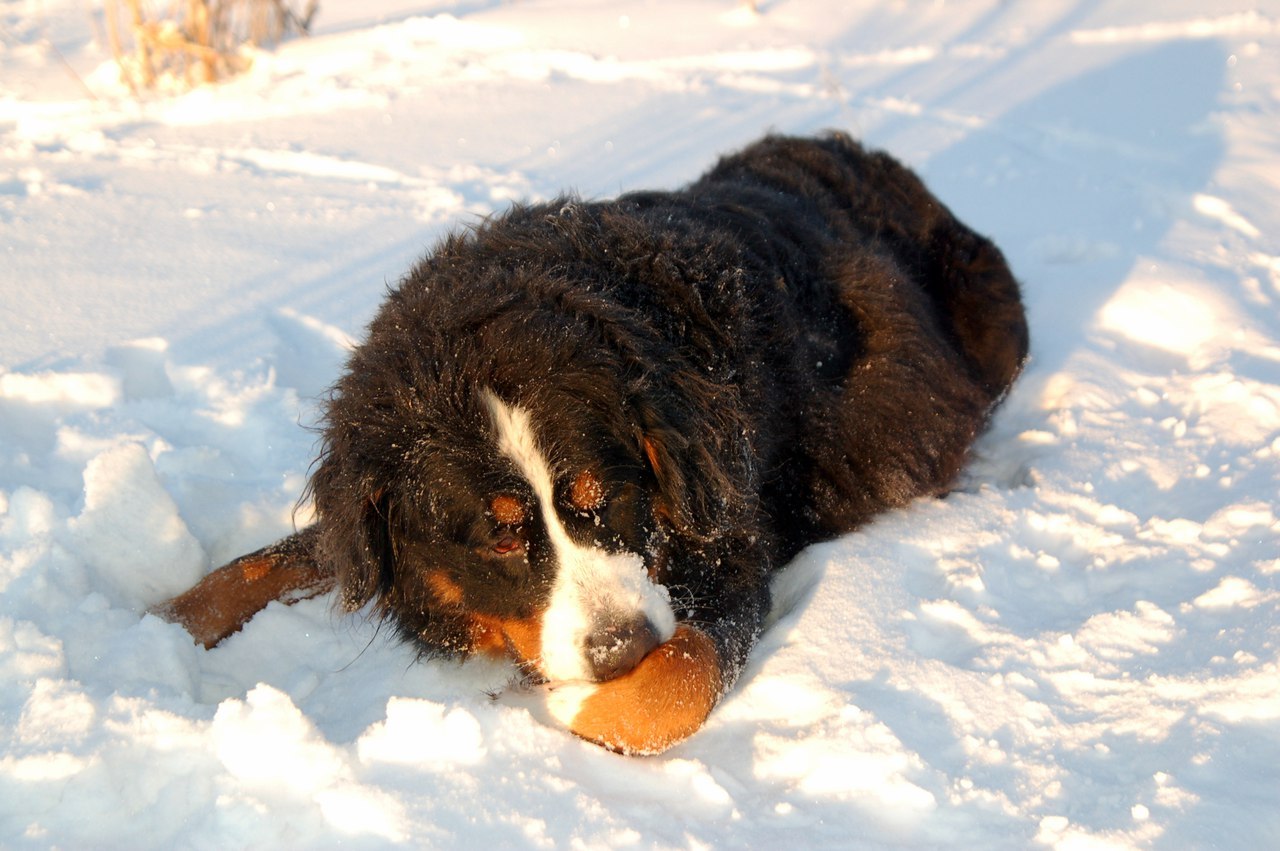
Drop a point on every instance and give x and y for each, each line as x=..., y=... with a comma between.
x=589, y=581
x=564, y=702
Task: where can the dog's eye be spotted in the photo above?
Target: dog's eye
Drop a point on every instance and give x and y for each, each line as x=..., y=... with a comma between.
x=507, y=544
x=586, y=493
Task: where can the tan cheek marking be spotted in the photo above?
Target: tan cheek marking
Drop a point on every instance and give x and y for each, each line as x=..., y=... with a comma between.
x=446, y=590
x=507, y=510
x=486, y=638
x=521, y=638
x=587, y=494
x=491, y=635
x=664, y=700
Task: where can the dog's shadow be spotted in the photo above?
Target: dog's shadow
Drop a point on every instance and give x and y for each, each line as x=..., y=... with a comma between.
x=1082, y=182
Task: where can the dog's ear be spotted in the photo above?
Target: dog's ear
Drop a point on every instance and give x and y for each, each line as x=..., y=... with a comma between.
x=694, y=464
x=672, y=487
x=356, y=540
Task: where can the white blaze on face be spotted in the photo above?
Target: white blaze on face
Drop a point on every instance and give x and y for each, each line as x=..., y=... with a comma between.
x=590, y=583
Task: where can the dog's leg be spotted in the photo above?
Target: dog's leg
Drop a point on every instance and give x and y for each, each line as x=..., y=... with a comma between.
x=660, y=702
x=222, y=602
x=668, y=696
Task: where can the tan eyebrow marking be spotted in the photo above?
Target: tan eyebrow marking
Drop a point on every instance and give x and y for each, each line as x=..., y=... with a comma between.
x=587, y=494
x=507, y=510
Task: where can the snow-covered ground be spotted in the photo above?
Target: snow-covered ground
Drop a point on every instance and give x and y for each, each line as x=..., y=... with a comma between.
x=1079, y=649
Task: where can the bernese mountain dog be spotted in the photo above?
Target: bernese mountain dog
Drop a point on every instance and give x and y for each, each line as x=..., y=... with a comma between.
x=582, y=435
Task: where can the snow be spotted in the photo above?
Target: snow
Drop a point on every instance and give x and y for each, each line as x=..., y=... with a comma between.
x=1079, y=648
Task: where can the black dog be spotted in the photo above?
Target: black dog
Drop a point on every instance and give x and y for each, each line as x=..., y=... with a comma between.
x=583, y=435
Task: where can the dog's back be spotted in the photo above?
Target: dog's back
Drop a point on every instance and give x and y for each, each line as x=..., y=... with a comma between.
x=898, y=330
x=869, y=200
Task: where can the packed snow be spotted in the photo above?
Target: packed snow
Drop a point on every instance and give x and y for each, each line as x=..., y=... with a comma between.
x=1077, y=649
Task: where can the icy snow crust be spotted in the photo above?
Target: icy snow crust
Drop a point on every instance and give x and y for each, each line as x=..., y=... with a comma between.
x=1077, y=649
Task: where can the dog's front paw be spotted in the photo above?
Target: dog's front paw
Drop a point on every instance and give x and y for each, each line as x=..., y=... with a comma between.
x=661, y=701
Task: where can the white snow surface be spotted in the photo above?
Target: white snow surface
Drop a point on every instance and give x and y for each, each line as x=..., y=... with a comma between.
x=1077, y=649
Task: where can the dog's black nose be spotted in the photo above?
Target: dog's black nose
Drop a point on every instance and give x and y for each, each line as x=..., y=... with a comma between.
x=617, y=644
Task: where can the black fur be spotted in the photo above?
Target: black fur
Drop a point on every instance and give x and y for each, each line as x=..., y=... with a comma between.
x=801, y=339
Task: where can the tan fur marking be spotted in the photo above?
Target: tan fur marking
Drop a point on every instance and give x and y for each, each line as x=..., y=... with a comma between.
x=446, y=590
x=665, y=699
x=587, y=494
x=228, y=597
x=487, y=638
x=651, y=452
x=255, y=569
x=520, y=639
x=492, y=635
x=507, y=510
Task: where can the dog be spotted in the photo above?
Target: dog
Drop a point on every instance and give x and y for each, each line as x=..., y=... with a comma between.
x=583, y=435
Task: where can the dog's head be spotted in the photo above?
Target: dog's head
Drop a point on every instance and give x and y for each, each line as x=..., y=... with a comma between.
x=509, y=458
x=530, y=518
x=534, y=531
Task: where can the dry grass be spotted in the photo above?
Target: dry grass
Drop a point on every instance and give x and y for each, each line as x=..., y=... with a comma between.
x=190, y=42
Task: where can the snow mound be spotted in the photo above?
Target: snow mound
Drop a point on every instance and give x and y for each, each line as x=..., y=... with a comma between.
x=130, y=533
